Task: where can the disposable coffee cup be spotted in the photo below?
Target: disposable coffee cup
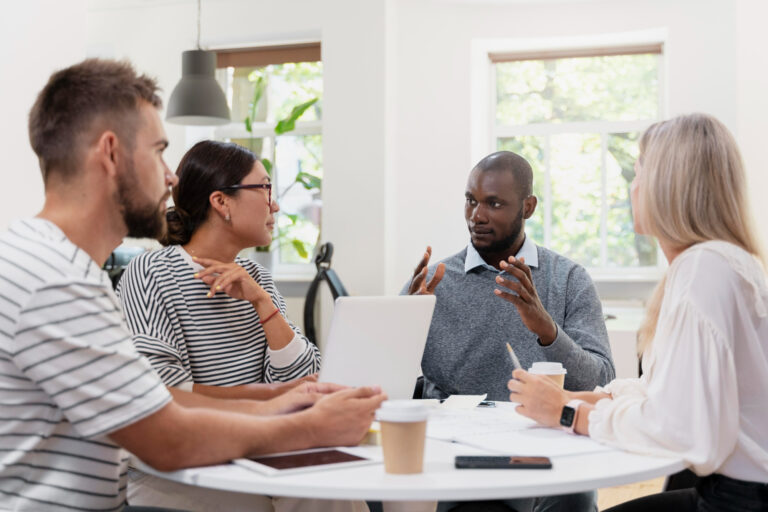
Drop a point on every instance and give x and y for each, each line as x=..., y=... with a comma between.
x=403, y=431
x=554, y=371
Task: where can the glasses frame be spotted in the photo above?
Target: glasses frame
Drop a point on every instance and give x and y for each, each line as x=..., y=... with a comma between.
x=267, y=186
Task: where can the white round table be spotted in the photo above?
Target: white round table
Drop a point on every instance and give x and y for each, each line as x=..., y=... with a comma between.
x=439, y=481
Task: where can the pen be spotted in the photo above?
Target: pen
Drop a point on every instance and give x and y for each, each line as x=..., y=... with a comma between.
x=513, y=357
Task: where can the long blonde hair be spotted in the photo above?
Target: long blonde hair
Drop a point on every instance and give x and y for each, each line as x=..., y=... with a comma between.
x=693, y=190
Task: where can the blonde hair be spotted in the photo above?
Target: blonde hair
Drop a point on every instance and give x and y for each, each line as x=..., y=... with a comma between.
x=693, y=190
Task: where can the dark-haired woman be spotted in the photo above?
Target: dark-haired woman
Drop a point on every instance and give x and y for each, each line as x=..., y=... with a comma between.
x=212, y=322
x=208, y=320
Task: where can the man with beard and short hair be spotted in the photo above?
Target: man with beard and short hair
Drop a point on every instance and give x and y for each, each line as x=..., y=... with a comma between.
x=73, y=389
x=503, y=288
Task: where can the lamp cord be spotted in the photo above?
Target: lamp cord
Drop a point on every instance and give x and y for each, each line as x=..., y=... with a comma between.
x=198, y=24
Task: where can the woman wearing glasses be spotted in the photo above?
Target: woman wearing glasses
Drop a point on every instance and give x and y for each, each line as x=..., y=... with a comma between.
x=209, y=321
x=212, y=322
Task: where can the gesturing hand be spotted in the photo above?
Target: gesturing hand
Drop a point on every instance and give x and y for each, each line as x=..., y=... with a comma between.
x=539, y=398
x=526, y=299
x=231, y=279
x=419, y=284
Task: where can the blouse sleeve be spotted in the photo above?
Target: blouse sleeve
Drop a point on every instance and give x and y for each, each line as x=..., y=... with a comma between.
x=151, y=324
x=690, y=406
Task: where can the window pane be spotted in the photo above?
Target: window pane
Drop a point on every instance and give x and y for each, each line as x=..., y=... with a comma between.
x=575, y=181
x=625, y=247
x=284, y=87
x=532, y=149
x=615, y=88
x=298, y=168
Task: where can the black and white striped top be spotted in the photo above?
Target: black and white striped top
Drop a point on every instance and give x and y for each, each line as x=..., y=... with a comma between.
x=69, y=375
x=215, y=341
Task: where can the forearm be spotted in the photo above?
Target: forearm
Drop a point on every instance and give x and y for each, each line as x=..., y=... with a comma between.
x=196, y=399
x=582, y=419
x=203, y=436
x=590, y=397
x=255, y=391
x=276, y=328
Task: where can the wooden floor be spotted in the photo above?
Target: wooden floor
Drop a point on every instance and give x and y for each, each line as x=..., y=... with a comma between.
x=611, y=496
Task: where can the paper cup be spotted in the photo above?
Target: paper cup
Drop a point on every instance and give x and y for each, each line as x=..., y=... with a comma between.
x=403, y=432
x=554, y=371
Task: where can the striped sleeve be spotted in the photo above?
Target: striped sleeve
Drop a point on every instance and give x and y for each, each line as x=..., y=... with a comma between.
x=148, y=319
x=70, y=341
x=305, y=356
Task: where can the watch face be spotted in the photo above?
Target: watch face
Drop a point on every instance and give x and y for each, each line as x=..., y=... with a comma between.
x=566, y=418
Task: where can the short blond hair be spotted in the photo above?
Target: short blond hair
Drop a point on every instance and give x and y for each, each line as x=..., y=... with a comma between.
x=694, y=190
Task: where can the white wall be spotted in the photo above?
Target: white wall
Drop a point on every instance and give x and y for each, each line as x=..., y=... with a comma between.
x=37, y=37
x=432, y=115
x=397, y=93
x=752, y=129
x=153, y=35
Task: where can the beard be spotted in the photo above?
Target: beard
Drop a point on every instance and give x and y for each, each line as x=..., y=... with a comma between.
x=143, y=217
x=507, y=241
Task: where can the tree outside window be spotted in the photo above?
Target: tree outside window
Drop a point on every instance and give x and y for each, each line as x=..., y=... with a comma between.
x=577, y=120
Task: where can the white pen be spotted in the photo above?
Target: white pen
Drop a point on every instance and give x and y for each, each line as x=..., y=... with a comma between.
x=513, y=357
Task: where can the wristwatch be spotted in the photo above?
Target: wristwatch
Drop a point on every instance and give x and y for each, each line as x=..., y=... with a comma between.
x=569, y=414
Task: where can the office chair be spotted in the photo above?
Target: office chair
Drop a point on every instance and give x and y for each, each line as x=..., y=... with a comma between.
x=327, y=274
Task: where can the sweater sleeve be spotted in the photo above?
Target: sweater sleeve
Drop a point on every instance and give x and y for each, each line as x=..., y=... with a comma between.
x=150, y=323
x=582, y=341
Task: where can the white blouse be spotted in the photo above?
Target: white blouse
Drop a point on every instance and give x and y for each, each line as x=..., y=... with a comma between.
x=703, y=396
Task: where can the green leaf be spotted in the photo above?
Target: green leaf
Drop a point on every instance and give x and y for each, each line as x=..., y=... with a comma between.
x=258, y=91
x=299, y=246
x=293, y=216
x=309, y=181
x=248, y=126
x=267, y=165
x=289, y=123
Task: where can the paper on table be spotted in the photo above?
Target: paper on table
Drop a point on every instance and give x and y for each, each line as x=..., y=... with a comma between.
x=533, y=441
x=451, y=424
x=462, y=402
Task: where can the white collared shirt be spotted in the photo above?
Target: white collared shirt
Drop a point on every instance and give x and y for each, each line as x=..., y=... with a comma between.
x=527, y=250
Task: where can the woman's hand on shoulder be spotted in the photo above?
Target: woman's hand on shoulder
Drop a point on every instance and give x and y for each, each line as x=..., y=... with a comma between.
x=232, y=279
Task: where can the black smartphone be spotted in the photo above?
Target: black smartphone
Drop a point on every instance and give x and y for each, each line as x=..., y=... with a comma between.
x=501, y=462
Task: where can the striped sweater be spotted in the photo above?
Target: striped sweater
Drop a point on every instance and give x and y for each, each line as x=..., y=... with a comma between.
x=216, y=341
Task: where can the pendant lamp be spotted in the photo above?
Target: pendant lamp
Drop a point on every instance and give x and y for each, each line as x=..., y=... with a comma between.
x=197, y=99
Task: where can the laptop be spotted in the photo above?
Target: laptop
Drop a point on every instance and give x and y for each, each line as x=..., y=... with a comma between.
x=378, y=341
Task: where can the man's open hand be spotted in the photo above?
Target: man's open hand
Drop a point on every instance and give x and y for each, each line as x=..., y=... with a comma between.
x=526, y=299
x=419, y=284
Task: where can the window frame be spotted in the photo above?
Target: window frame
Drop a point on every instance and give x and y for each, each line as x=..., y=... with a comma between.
x=266, y=130
x=485, y=131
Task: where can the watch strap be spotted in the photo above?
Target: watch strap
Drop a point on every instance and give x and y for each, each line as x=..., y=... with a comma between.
x=573, y=405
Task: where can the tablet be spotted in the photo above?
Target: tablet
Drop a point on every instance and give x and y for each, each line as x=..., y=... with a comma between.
x=305, y=460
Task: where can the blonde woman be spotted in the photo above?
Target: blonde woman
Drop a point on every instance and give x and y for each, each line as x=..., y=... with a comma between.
x=703, y=396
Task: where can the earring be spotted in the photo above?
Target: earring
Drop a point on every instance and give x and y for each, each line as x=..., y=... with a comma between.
x=226, y=217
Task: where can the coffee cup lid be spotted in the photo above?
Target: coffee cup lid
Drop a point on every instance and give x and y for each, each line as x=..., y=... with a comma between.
x=547, y=368
x=402, y=411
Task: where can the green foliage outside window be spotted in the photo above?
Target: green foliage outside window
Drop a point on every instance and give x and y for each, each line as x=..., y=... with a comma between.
x=593, y=92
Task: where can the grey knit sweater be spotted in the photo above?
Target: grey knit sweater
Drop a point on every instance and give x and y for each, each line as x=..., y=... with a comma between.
x=466, y=351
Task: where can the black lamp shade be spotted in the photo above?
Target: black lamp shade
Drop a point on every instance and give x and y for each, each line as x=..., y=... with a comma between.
x=197, y=99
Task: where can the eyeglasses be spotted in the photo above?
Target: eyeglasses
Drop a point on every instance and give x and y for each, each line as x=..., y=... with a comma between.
x=267, y=186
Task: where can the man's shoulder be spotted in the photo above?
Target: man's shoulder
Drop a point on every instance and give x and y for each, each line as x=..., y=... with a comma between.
x=454, y=262
x=558, y=266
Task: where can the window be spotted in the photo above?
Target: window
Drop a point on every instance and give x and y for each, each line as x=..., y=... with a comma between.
x=264, y=85
x=576, y=116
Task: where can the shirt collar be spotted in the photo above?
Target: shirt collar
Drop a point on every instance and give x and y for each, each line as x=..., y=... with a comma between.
x=527, y=251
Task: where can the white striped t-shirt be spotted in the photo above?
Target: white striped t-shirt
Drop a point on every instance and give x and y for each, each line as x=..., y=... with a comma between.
x=69, y=375
x=216, y=341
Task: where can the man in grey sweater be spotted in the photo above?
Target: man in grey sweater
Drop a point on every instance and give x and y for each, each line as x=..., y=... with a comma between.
x=503, y=288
